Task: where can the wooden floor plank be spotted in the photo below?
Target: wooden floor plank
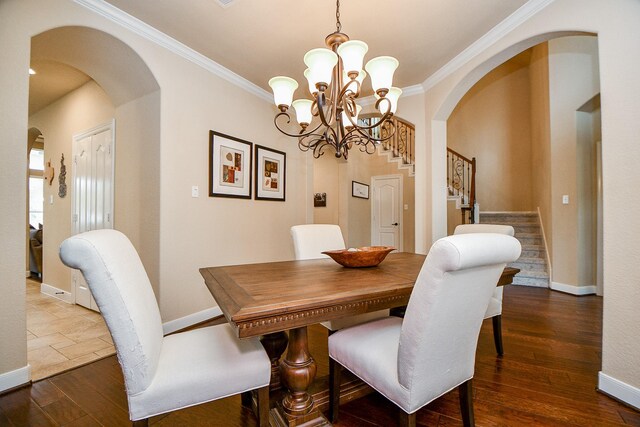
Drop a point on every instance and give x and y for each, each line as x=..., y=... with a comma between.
x=547, y=377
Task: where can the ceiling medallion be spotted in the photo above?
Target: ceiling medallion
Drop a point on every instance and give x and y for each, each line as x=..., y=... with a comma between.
x=335, y=76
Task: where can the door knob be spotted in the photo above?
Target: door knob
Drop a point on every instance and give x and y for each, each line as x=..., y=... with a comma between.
x=395, y=223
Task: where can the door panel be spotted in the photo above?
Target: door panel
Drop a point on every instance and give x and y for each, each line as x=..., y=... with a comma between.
x=386, y=211
x=92, y=194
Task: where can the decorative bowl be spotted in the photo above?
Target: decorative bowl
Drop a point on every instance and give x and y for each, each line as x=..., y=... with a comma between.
x=366, y=256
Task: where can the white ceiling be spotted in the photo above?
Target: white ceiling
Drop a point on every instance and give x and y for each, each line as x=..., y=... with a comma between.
x=259, y=39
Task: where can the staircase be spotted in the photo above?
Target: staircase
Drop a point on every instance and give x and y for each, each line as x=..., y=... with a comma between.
x=399, y=148
x=533, y=260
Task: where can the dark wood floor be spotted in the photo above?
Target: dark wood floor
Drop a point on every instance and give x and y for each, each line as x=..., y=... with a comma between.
x=547, y=377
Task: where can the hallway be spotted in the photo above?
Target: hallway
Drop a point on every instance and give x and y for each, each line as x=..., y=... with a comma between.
x=62, y=336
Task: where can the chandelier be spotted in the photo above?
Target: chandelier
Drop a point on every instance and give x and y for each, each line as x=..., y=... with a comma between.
x=335, y=77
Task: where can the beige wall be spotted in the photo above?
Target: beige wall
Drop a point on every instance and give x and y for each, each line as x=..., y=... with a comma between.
x=178, y=234
x=326, y=179
x=80, y=110
x=540, y=139
x=574, y=79
x=492, y=123
x=618, y=41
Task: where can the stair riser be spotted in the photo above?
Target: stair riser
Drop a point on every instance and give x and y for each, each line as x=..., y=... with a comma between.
x=530, y=240
x=526, y=266
x=527, y=281
x=527, y=229
x=506, y=219
x=533, y=253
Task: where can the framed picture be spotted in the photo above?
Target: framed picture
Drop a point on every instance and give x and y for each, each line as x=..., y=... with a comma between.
x=229, y=166
x=320, y=200
x=271, y=174
x=360, y=190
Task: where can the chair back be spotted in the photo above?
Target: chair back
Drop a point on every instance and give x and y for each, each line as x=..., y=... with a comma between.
x=310, y=240
x=484, y=228
x=120, y=285
x=448, y=302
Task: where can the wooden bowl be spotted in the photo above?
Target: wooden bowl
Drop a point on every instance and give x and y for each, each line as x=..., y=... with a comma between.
x=366, y=256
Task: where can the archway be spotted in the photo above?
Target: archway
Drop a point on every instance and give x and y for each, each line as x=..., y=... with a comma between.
x=120, y=89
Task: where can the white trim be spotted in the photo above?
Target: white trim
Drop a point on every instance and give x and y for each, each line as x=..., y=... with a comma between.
x=15, y=378
x=190, y=320
x=54, y=292
x=546, y=246
x=619, y=390
x=511, y=22
x=27, y=274
x=572, y=289
x=145, y=30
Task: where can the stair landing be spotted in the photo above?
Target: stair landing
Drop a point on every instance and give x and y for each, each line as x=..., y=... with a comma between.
x=533, y=259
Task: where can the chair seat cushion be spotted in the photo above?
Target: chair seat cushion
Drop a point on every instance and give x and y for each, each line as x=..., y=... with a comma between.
x=370, y=351
x=199, y=366
x=347, y=322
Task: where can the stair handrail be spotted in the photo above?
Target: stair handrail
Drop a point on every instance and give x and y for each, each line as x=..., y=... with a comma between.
x=402, y=143
x=468, y=193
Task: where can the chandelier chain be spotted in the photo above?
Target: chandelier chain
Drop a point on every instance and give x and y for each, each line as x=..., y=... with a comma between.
x=338, y=24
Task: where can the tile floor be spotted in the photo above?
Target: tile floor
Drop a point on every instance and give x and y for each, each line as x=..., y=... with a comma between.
x=62, y=336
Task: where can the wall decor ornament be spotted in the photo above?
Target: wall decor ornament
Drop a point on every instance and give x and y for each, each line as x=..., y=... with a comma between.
x=359, y=190
x=49, y=173
x=62, y=178
x=271, y=174
x=229, y=166
x=320, y=200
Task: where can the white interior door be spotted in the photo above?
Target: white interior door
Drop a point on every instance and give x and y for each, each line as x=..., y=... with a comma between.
x=92, y=192
x=386, y=211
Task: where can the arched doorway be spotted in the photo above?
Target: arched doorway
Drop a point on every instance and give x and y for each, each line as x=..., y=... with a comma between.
x=119, y=88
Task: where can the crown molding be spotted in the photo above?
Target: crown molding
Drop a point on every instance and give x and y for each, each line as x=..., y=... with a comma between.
x=148, y=32
x=511, y=22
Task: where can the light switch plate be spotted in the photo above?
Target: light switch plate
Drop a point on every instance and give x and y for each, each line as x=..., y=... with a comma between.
x=565, y=199
x=195, y=191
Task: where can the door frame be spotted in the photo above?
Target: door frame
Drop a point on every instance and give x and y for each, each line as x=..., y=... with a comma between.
x=76, y=138
x=400, y=206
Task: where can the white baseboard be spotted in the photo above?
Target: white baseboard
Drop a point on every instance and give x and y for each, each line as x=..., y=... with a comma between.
x=573, y=289
x=15, y=378
x=57, y=293
x=619, y=390
x=27, y=273
x=190, y=320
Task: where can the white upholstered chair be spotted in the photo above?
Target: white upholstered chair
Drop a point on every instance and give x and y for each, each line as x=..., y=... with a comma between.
x=432, y=351
x=309, y=241
x=494, y=311
x=162, y=374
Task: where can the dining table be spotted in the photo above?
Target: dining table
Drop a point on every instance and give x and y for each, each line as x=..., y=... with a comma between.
x=277, y=301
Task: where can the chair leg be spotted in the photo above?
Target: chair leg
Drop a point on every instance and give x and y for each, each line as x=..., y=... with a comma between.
x=407, y=420
x=466, y=403
x=263, y=406
x=141, y=423
x=497, y=333
x=246, y=398
x=335, y=369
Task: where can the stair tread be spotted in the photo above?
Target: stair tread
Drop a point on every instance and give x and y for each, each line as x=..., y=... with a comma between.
x=533, y=274
x=530, y=260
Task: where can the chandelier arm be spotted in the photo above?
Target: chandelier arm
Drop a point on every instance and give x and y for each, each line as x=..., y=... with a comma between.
x=294, y=135
x=321, y=103
x=360, y=130
x=348, y=92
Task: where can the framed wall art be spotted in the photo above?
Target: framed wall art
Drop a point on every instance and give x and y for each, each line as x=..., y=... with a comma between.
x=320, y=200
x=359, y=190
x=271, y=174
x=229, y=166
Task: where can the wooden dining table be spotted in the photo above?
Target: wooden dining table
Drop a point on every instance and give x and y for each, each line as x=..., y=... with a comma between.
x=265, y=300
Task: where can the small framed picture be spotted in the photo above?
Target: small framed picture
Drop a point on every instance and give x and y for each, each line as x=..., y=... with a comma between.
x=271, y=174
x=359, y=190
x=229, y=166
x=320, y=200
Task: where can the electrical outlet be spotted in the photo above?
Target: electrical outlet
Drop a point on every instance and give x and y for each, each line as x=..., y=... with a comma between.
x=195, y=191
